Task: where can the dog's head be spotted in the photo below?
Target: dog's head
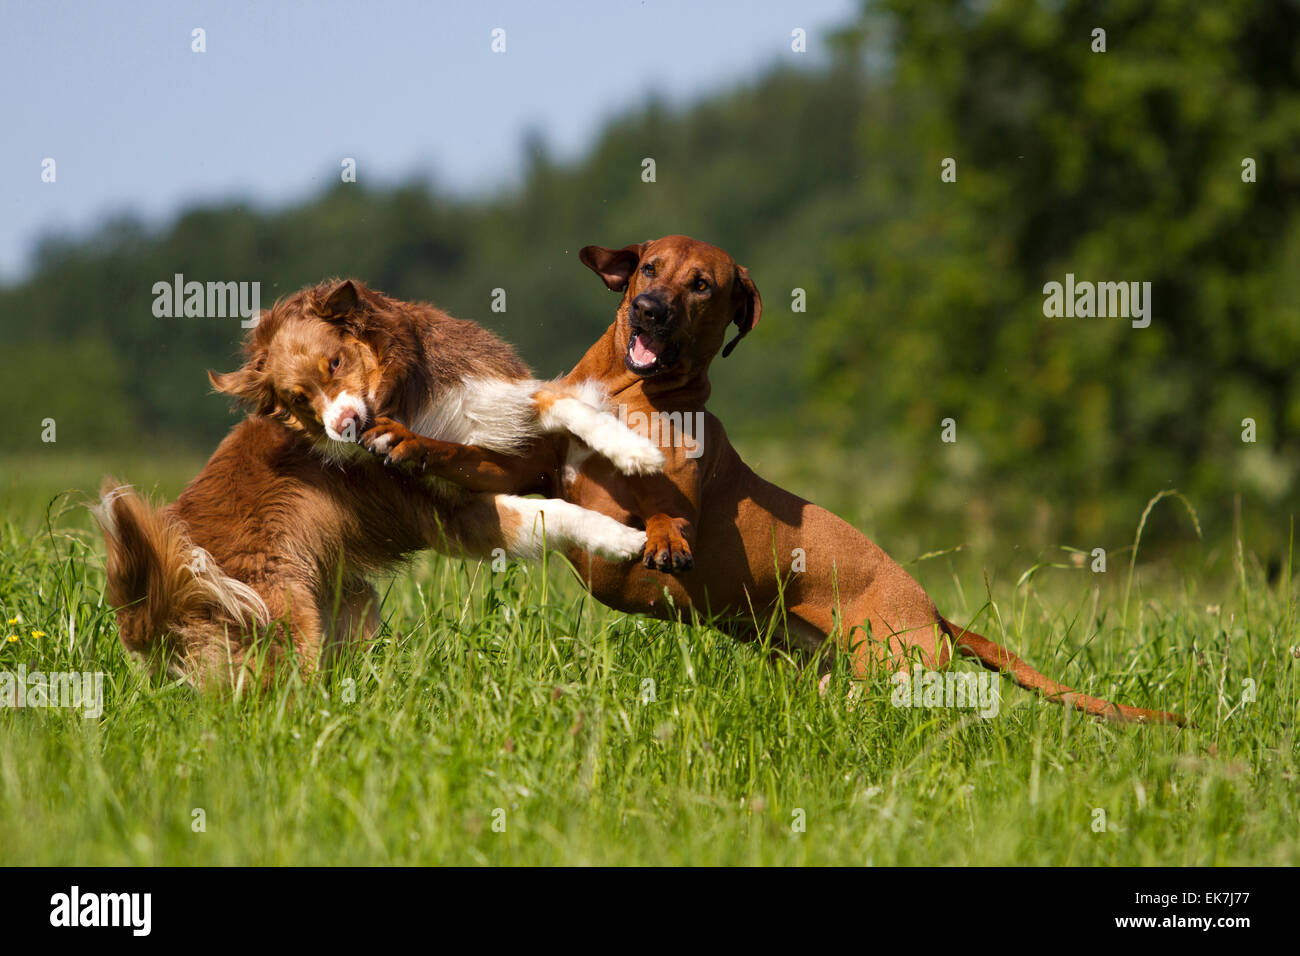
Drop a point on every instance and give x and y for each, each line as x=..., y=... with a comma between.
x=315, y=361
x=679, y=297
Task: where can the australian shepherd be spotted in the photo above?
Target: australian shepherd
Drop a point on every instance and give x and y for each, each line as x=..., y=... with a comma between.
x=266, y=554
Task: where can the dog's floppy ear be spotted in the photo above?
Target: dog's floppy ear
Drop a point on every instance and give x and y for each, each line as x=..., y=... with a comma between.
x=248, y=384
x=340, y=300
x=614, y=266
x=748, y=305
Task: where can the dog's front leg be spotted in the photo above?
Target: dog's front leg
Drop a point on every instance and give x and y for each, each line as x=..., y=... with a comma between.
x=470, y=466
x=669, y=507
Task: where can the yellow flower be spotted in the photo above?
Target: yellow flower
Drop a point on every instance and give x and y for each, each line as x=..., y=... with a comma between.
x=13, y=620
x=38, y=633
x=13, y=638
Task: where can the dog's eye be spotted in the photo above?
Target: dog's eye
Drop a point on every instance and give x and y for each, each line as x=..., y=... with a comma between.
x=648, y=271
x=335, y=362
x=701, y=285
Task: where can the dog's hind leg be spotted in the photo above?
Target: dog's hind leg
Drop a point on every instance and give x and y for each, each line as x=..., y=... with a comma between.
x=232, y=655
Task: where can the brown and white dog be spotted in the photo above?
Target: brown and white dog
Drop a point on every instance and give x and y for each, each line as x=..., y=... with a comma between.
x=336, y=358
x=266, y=553
x=721, y=540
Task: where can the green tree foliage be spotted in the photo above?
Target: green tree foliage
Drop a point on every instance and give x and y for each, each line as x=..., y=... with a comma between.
x=1116, y=165
x=748, y=170
x=924, y=297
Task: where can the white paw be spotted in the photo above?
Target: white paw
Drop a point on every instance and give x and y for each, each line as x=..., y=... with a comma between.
x=623, y=544
x=609, y=538
x=637, y=456
x=629, y=452
x=382, y=445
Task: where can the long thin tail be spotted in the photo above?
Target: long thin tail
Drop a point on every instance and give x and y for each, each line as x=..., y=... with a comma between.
x=997, y=658
x=157, y=578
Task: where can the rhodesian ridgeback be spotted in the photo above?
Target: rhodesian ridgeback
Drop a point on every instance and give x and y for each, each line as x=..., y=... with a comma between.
x=721, y=540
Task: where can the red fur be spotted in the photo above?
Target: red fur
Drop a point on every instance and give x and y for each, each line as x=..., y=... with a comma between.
x=264, y=556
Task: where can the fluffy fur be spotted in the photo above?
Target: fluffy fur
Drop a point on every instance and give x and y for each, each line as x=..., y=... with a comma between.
x=265, y=555
x=339, y=357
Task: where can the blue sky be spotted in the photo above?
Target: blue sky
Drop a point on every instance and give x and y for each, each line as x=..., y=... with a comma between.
x=137, y=122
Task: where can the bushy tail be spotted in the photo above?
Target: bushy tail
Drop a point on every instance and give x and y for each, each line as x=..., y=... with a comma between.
x=157, y=578
x=995, y=657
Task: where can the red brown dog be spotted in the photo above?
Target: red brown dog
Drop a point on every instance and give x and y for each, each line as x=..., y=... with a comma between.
x=679, y=298
x=266, y=554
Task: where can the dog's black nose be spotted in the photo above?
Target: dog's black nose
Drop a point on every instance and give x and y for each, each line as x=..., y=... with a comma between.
x=649, y=309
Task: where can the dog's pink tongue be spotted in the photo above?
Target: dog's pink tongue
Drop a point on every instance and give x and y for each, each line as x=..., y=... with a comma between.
x=642, y=353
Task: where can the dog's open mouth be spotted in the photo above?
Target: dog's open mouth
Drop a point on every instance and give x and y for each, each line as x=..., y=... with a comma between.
x=647, y=354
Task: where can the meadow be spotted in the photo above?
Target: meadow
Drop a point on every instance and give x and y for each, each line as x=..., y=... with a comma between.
x=506, y=718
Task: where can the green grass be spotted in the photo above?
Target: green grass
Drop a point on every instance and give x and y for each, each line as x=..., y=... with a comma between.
x=515, y=697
